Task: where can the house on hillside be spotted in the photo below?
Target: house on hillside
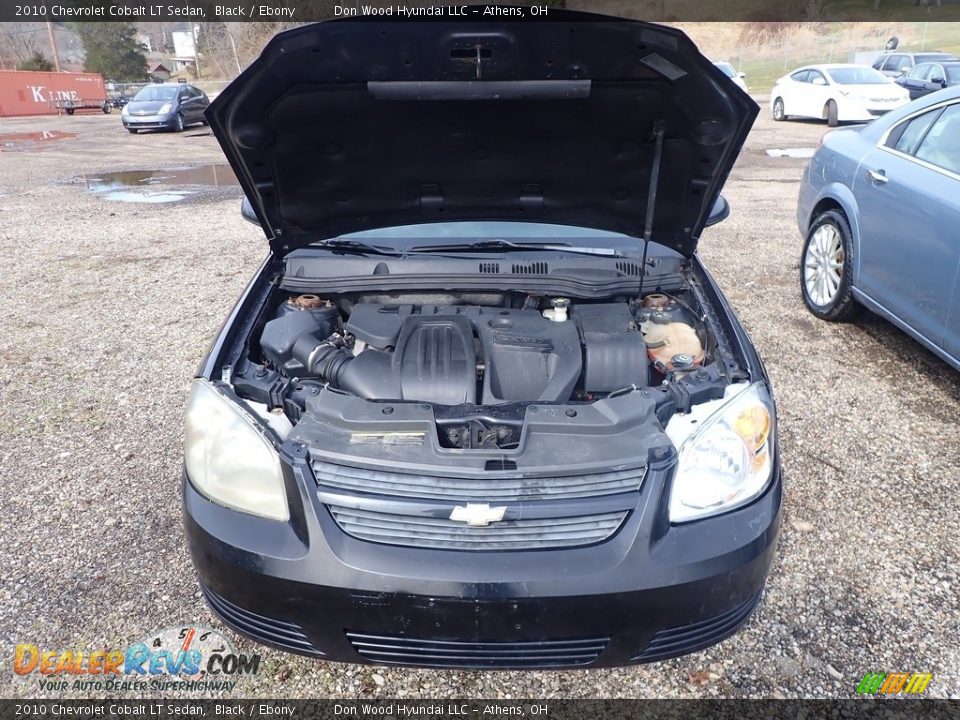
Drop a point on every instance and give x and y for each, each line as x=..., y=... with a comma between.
x=158, y=72
x=184, y=36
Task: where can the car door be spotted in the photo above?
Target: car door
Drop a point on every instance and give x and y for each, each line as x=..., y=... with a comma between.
x=936, y=78
x=183, y=104
x=940, y=150
x=909, y=211
x=914, y=80
x=792, y=92
x=818, y=94
x=193, y=102
x=202, y=102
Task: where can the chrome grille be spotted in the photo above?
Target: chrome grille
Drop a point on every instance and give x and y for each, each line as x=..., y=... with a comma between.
x=399, y=650
x=430, y=532
x=492, y=489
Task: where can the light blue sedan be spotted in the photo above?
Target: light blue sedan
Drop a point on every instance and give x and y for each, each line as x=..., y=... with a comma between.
x=879, y=209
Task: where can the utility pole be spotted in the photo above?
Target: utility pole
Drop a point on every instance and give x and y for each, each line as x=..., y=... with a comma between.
x=233, y=44
x=53, y=46
x=195, y=31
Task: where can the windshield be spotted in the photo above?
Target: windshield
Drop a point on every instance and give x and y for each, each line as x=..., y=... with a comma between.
x=727, y=69
x=934, y=57
x=857, y=76
x=953, y=73
x=156, y=92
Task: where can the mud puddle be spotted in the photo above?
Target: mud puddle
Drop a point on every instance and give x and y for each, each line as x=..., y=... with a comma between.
x=158, y=186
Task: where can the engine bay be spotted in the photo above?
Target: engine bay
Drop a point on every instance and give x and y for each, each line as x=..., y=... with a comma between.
x=477, y=360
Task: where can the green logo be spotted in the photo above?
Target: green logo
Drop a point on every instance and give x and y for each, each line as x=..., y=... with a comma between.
x=893, y=683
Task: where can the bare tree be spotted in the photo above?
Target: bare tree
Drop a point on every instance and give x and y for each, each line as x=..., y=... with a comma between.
x=20, y=41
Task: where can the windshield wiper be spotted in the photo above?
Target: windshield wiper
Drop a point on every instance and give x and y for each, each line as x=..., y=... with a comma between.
x=501, y=245
x=357, y=247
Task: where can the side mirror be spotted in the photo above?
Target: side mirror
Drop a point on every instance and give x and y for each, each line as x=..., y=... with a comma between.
x=819, y=81
x=719, y=212
x=741, y=74
x=246, y=211
x=938, y=81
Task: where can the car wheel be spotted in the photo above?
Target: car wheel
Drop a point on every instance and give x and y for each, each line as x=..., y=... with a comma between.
x=832, y=120
x=178, y=123
x=778, y=113
x=132, y=131
x=826, y=273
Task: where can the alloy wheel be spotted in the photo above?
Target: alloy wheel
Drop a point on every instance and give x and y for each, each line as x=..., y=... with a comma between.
x=823, y=265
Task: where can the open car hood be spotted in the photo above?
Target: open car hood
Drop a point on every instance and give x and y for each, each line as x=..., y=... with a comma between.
x=358, y=124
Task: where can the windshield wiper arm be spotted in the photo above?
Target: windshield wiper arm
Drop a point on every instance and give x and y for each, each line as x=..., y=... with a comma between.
x=357, y=247
x=513, y=246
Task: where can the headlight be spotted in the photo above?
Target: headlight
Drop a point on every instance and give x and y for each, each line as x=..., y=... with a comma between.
x=125, y=110
x=228, y=459
x=164, y=109
x=728, y=461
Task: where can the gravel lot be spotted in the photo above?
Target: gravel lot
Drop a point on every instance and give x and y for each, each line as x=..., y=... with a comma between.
x=108, y=307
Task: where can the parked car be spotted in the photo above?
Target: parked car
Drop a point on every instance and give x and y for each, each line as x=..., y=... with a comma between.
x=496, y=418
x=879, y=208
x=930, y=77
x=732, y=73
x=165, y=107
x=835, y=93
x=895, y=64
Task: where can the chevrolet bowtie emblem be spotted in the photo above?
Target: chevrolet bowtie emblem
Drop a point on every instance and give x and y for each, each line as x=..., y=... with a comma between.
x=477, y=514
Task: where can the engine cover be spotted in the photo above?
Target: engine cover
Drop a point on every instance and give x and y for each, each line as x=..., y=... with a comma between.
x=525, y=356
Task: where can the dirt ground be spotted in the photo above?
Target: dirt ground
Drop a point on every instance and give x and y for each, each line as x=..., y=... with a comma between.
x=108, y=306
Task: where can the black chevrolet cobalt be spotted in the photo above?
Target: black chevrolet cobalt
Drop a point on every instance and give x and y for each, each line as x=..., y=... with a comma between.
x=482, y=405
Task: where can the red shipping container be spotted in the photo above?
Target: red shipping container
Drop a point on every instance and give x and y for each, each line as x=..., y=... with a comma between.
x=24, y=92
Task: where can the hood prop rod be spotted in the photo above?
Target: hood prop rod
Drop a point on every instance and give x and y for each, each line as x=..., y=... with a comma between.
x=651, y=196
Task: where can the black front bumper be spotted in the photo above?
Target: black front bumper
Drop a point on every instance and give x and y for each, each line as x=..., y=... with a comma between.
x=651, y=592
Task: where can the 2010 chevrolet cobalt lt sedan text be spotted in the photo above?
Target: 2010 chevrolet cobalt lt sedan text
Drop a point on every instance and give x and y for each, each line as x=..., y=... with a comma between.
x=483, y=406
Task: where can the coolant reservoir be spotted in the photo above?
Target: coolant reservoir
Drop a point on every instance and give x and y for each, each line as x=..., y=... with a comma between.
x=666, y=340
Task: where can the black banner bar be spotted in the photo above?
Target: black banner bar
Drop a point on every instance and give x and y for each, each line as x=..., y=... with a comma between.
x=520, y=10
x=266, y=709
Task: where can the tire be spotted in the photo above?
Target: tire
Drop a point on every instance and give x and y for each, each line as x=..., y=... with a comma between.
x=826, y=268
x=178, y=123
x=831, y=113
x=778, y=114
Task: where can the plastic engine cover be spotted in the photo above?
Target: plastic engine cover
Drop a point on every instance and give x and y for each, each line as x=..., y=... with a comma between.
x=615, y=354
x=527, y=357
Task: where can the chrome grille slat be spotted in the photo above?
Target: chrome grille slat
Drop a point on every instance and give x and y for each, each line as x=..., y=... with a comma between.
x=534, y=534
x=397, y=649
x=411, y=485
